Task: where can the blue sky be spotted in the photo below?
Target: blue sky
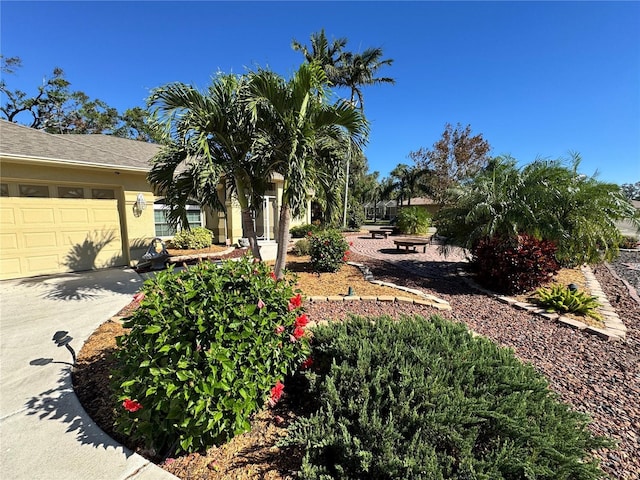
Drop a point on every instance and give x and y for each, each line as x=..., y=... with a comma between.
x=537, y=79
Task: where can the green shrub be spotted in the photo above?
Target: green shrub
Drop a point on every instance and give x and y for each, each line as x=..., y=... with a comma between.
x=514, y=265
x=301, y=231
x=413, y=220
x=425, y=399
x=302, y=247
x=329, y=251
x=558, y=298
x=355, y=217
x=206, y=346
x=198, y=237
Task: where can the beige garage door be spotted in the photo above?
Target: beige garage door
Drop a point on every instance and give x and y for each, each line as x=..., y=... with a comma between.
x=39, y=236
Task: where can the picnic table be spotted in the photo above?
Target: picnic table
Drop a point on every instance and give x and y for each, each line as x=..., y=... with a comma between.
x=412, y=243
x=382, y=232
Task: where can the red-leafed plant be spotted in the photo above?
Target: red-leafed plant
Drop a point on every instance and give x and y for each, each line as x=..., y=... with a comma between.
x=514, y=265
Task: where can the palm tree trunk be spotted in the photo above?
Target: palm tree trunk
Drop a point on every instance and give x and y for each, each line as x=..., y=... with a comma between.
x=249, y=231
x=282, y=237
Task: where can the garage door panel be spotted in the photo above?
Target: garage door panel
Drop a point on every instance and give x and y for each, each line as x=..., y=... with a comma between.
x=43, y=263
x=102, y=215
x=10, y=267
x=8, y=241
x=7, y=216
x=70, y=215
x=40, y=240
x=38, y=216
x=51, y=235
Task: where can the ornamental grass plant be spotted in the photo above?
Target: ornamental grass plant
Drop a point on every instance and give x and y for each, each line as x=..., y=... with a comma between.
x=425, y=399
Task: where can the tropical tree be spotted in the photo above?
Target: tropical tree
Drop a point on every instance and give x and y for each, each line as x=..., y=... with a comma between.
x=301, y=136
x=457, y=156
x=327, y=54
x=359, y=70
x=409, y=182
x=631, y=190
x=56, y=108
x=349, y=70
x=209, y=138
x=544, y=199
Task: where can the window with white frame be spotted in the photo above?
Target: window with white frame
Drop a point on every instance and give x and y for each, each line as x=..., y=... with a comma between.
x=162, y=226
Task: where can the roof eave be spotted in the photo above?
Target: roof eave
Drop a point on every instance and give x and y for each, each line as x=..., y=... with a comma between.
x=67, y=162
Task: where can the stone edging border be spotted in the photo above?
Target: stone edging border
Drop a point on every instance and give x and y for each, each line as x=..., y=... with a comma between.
x=429, y=300
x=613, y=331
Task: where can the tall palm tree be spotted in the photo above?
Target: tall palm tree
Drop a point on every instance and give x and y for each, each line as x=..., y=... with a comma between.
x=327, y=54
x=209, y=138
x=409, y=181
x=300, y=136
x=359, y=70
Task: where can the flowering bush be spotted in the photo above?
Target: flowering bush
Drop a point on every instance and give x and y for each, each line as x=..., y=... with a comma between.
x=208, y=347
x=329, y=251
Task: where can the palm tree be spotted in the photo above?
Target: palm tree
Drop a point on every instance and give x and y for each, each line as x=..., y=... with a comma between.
x=358, y=70
x=327, y=54
x=545, y=199
x=300, y=136
x=409, y=181
x=209, y=138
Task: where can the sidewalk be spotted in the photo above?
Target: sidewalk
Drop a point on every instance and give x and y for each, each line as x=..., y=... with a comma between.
x=44, y=431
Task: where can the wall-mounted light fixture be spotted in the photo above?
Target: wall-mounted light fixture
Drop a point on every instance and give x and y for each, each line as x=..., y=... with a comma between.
x=140, y=202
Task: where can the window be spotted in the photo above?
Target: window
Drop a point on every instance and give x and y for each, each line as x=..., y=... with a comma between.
x=162, y=227
x=41, y=191
x=70, y=192
x=4, y=190
x=103, y=193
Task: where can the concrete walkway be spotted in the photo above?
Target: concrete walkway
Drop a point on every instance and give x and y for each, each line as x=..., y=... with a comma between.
x=44, y=431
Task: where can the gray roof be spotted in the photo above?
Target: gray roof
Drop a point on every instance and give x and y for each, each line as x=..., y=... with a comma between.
x=101, y=150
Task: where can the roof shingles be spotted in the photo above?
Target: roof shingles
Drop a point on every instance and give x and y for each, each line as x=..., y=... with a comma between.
x=105, y=150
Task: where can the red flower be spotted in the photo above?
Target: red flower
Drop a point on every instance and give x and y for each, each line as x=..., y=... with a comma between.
x=344, y=259
x=298, y=332
x=131, y=405
x=302, y=320
x=295, y=302
x=273, y=276
x=138, y=297
x=279, y=329
x=309, y=233
x=260, y=304
x=351, y=244
x=307, y=363
x=276, y=393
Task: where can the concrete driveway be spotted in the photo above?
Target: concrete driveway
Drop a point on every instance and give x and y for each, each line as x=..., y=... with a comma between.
x=44, y=431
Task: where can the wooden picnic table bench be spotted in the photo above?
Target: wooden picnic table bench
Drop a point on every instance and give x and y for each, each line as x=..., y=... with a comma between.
x=384, y=233
x=412, y=243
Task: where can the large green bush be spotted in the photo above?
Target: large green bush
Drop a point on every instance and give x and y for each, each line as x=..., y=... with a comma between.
x=301, y=231
x=206, y=347
x=425, y=399
x=413, y=220
x=329, y=250
x=198, y=237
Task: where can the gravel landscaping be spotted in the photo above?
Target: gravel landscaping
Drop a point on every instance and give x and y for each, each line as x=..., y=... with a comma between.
x=594, y=376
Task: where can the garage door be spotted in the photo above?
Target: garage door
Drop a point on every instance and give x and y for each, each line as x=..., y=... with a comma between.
x=40, y=236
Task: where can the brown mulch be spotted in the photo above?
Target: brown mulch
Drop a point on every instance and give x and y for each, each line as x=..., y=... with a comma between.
x=596, y=377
